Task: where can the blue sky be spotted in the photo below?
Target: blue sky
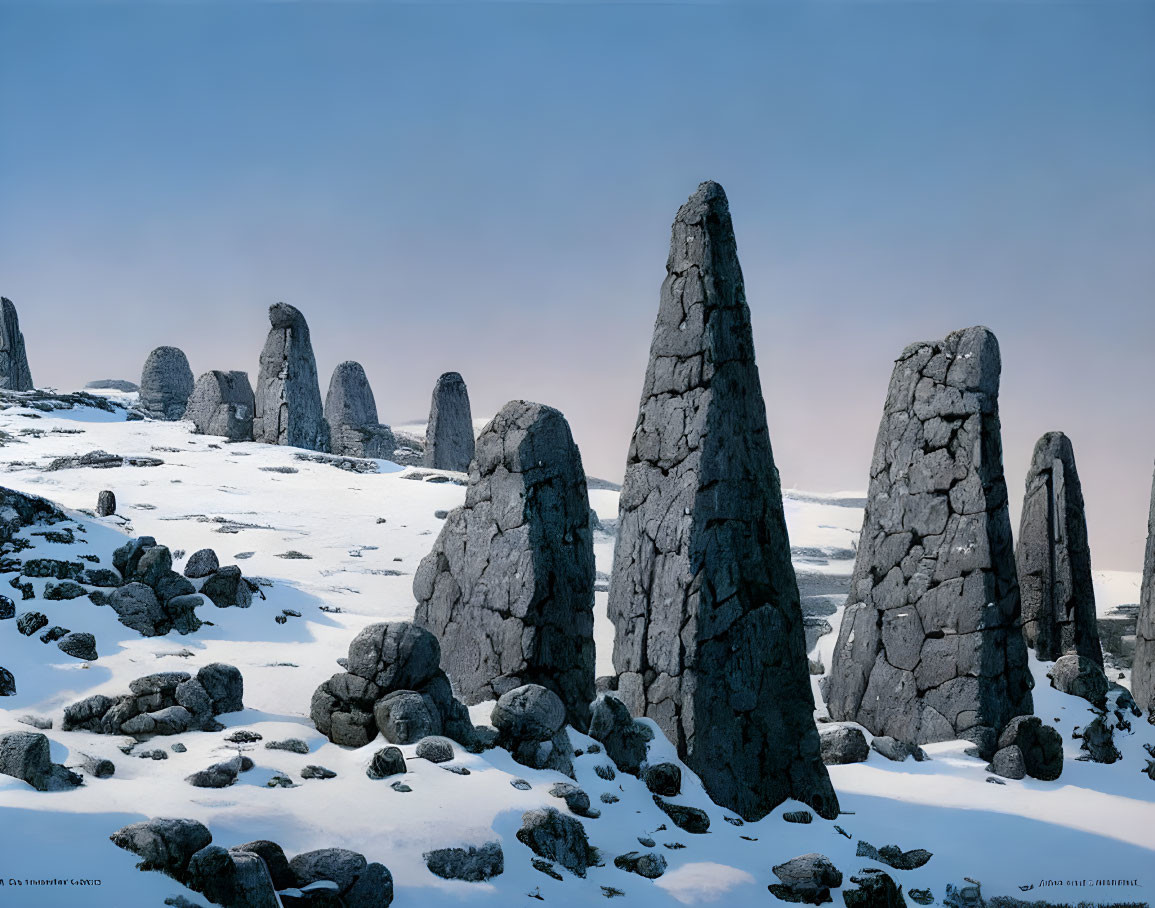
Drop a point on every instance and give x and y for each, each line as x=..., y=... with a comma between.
x=488, y=187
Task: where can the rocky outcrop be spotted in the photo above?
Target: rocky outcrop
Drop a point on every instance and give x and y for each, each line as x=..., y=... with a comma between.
x=165, y=384
x=709, y=638
x=1053, y=557
x=351, y=413
x=930, y=647
x=154, y=599
x=14, y=372
x=449, y=432
x=509, y=586
x=288, y=396
x=222, y=403
x=395, y=685
x=1143, y=664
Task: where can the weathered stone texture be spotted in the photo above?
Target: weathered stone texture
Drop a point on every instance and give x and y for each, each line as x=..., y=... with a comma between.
x=709, y=634
x=930, y=647
x=1143, y=666
x=288, y=395
x=1053, y=557
x=165, y=384
x=222, y=403
x=449, y=433
x=351, y=413
x=14, y=372
x=509, y=585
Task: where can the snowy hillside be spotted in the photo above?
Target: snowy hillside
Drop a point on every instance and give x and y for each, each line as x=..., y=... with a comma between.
x=334, y=551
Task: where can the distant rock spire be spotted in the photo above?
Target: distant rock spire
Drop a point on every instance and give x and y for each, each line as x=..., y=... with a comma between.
x=1054, y=559
x=288, y=394
x=14, y=372
x=709, y=638
x=930, y=647
x=1143, y=666
x=166, y=383
x=351, y=413
x=449, y=432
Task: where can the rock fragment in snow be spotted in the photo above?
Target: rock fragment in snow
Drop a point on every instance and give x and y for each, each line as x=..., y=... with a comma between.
x=806, y=878
x=552, y=835
x=625, y=739
x=1080, y=676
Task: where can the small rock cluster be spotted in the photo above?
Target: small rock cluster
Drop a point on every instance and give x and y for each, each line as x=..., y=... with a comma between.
x=166, y=703
x=1027, y=747
x=251, y=875
x=393, y=684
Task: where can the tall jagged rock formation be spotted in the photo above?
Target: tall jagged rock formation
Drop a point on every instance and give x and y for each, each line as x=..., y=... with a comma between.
x=1143, y=666
x=14, y=372
x=930, y=647
x=288, y=395
x=1053, y=557
x=449, y=433
x=222, y=404
x=709, y=638
x=351, y=413
x=509, y=585
x=166, y=383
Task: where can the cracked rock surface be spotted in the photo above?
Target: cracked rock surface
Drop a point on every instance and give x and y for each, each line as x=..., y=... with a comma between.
x=449, y=432
x=508, y=588
x=222, y=403
x=165, y=384
x=288, y=396
x=1053, y=557
x=1143, y=666
x=351, y=412
x=930, y=647
x=14, y=372
x=704, y=600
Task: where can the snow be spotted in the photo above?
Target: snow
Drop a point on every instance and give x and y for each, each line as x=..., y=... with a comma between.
x=365, y=535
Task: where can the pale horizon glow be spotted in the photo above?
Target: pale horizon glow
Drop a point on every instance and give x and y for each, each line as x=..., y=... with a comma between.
x=488, y=188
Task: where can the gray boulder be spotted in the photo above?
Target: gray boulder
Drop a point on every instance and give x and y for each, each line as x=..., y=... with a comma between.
x=226, y=588
x=552, y=835
x=225, y=686
x=238, y=879
x=26, y=755
x=663, y=779
x=78, y=645
x=201, y=563
x=896, y=750
x=472, y=864
x=163, y=844
x=530, y=723
x=692, y=819
x=351, y=413
x=1143, y=662
x=876, y=889
x=388, y=761
x=337, y=865
x=288, y=397
x=806, y=878
x=1054, y=559
x=105, y=504
x=508, y=588
x=7, y=683
x=449, y=439
x=275, y=860
x=222, y=403
x=625, y=740
x=930, y=647
x=842, y=744
x=643, y=863
x=435, y=749
x=165, y=384
x=1041, y=746
x=703, y=597
x=1080, y=676
x=1008, y=763
x=14, y=372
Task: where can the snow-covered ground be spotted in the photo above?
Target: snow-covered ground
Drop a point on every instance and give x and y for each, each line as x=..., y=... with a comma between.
x=363, y=535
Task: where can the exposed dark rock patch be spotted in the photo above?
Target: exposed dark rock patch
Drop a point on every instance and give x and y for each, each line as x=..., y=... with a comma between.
x=508, y=587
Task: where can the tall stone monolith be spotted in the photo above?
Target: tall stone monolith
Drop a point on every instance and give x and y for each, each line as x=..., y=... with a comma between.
x=351, y=413
x=449, y=432
x=14, y=372
x=709, y=637
x=509, y=585
x=1143, y=665
x=166, y=383
x=931, y=647
x=288, y=396
x=1054, y=558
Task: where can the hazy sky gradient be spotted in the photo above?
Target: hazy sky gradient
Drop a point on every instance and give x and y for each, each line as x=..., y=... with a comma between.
x=489, y=188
